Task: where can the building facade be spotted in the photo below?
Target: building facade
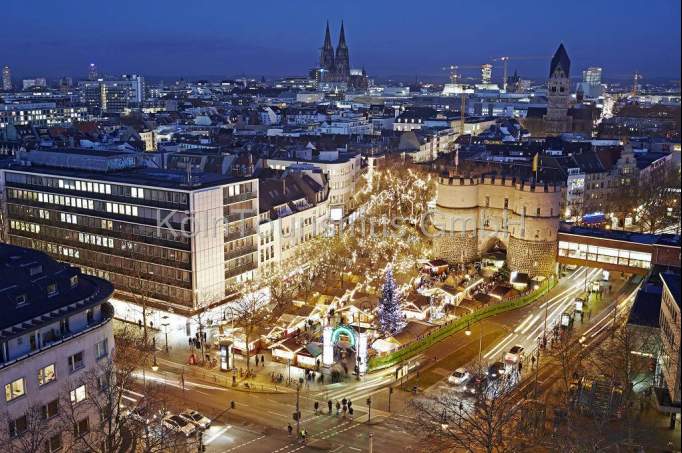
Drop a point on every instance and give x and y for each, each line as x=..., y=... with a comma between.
x=166, y=239
x=6, y=78
x=475, y=214
x=670, y=335
x=55, y=336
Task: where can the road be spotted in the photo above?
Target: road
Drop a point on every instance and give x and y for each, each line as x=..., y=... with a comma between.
x=258, y=423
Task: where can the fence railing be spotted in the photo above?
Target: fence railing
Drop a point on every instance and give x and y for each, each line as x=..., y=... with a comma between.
x=445, y=330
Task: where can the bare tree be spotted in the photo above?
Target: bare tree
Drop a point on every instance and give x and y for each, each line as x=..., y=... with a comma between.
x=249, y=311
x=30, y=432
x=485, y=423
x=659, y=198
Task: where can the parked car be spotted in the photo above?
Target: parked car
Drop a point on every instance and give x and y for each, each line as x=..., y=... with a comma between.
x=196, y=418
x=179, y=425
x=459, y=377
x=515, y=355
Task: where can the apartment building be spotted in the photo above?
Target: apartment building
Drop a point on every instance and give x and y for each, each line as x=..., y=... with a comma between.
x=294, y=209
x=55, y=335
x=171, y=240
x=342, y=170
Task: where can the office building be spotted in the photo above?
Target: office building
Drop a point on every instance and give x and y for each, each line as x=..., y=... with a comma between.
x=39, y=82
x=55, y=333
x=171, y=240
x=40, y=114
x=6, y=78
x=670, y=335
x=114, y=96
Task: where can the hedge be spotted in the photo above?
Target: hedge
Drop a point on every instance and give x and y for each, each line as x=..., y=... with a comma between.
x=436, y=335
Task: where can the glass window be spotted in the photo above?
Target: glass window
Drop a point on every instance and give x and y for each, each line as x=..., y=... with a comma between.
x=51, y=409
x=15, y=389
x=82, y=427
x=78, y=394
x=18, y=426
x=54, y=443
x=76, y=361
x=102, y=349
x=46, y=374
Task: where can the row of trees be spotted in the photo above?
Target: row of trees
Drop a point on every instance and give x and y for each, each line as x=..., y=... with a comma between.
x=504, y=418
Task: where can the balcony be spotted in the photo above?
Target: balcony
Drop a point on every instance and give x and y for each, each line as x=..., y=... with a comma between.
x=234, y=271
x=241, y=197
x=243, y=215
x=240, y=252
x=240, y=233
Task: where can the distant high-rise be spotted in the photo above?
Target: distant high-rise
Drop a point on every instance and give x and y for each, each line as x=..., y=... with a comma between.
x=486, y=73
x=592, y=75
x=591, y=86
x=92, y=72
x=6, y=78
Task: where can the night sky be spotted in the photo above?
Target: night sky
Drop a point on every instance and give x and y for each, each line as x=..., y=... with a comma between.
x=220, y=38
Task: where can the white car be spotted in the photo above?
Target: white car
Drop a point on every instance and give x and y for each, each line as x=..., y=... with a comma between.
x=196, y=418
x=459, y=377
x=179, y=425
x=514, y=355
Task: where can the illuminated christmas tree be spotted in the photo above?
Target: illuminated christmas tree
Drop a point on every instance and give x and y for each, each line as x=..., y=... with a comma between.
x=391, y=319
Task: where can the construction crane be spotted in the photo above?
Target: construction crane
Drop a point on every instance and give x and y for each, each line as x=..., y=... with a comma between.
x=505, y=61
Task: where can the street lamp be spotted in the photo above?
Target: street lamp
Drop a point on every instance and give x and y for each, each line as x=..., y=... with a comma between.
x=155, y=366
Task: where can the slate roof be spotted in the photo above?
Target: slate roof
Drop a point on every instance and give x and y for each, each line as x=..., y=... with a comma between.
x=560, y=59
x=28, y=273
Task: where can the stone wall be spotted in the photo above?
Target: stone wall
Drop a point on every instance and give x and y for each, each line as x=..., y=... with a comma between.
x=456, y=247
x=532, y=257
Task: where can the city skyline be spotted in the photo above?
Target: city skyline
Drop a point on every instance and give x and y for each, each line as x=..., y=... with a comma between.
x=284, y=40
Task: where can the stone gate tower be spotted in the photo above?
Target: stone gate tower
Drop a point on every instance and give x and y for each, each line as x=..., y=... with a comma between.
x=473, y=213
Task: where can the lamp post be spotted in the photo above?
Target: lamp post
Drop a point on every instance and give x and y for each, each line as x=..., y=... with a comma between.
x=369, y=410
x=165, y=331
x=298, y=406
x=155, y=366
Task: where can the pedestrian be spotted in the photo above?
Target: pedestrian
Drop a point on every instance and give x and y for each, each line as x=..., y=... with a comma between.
x=262, y=360
x=289, y=429
x=329, y=405
x=139, y=323
x=350, y=412
x=350, y=403
x=344, y=402
x=189, y=341
x=317, y=407
x=338, y=408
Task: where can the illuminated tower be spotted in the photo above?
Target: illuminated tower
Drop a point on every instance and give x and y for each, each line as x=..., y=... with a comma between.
x=6, y=78
x=486, y=73
x=92, y=72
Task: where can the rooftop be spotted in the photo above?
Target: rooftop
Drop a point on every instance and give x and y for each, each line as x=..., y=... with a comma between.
x=670, y=240
x=26, y=279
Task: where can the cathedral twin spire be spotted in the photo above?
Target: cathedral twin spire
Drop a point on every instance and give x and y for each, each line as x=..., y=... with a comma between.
x=337, y=63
